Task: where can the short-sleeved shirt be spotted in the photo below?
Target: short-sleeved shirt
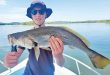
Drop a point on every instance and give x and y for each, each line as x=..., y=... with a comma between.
x=43, y=66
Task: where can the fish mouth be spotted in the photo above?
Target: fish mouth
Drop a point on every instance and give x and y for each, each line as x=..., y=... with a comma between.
x=11, y=39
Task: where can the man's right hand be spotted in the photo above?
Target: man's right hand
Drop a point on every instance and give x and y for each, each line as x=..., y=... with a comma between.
x=11, y=58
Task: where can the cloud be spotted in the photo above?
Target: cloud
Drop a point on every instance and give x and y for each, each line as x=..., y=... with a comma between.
x=16, y=14
x=2, y=2
x=13, y=18
x=18, y=10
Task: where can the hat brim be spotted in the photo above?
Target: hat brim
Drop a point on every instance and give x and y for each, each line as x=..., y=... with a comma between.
x=48, y=12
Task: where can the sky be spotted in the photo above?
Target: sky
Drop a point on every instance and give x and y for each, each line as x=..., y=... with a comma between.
x=63, y=10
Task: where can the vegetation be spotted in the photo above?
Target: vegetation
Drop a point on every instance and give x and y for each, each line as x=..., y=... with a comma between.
x=28, y=23
x=106, y=21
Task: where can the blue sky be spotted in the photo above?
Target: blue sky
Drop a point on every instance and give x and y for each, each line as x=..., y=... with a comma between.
x=63, y=10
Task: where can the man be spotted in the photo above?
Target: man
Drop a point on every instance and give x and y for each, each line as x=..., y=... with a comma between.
x=38, y=12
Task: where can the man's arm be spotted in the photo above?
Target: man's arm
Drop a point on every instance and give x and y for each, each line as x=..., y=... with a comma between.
x=57, y=47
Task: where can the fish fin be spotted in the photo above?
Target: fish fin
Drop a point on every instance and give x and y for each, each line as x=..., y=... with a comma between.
x=72, y=47
x=99, y=61
x=84, y=39
x=37, y=52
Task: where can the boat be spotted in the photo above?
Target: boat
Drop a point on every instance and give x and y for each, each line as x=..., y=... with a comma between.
x=19, y=69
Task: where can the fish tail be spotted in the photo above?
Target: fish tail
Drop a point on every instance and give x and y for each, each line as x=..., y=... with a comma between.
x=98, y=60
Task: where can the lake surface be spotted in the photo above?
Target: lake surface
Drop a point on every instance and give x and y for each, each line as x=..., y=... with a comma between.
x=98, y=35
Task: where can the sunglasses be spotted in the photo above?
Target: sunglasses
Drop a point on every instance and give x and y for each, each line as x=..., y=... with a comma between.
x=41, y=12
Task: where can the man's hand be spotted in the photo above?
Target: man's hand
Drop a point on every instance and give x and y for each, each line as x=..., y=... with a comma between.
x=11, y=58
x=57, y=47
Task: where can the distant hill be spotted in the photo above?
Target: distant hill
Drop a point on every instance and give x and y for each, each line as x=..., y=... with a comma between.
x=1, y=23
x=11, y=23
x=94, y=21
x=57, y=22
x=28, y=23
x=68, y=22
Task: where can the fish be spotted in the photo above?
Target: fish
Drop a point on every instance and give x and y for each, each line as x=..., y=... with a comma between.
x=39, y=38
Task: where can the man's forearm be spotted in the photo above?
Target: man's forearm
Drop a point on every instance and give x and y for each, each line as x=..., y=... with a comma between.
x=60, y=60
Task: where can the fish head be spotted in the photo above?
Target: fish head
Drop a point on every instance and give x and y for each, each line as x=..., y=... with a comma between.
x=21, y=41
x=11, y=40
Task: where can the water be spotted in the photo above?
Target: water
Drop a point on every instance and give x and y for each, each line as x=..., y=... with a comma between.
x=97, y=33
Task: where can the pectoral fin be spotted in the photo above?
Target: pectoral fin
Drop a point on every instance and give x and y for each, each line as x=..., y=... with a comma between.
x=37, y=52
x=99, y=61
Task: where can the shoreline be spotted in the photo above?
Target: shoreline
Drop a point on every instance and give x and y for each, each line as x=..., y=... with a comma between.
x=56, y=22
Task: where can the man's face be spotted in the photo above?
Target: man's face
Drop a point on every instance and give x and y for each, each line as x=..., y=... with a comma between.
x=38, y=16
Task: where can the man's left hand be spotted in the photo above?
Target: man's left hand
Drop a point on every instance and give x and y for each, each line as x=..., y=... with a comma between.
x=56, y=45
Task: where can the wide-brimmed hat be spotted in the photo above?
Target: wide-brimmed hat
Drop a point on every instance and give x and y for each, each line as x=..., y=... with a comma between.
x=40, y=5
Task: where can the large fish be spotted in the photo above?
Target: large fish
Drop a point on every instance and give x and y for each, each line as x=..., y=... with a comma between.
x=39, y=38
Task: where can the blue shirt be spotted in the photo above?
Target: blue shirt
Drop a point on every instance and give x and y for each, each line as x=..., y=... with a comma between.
x=44, y=65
